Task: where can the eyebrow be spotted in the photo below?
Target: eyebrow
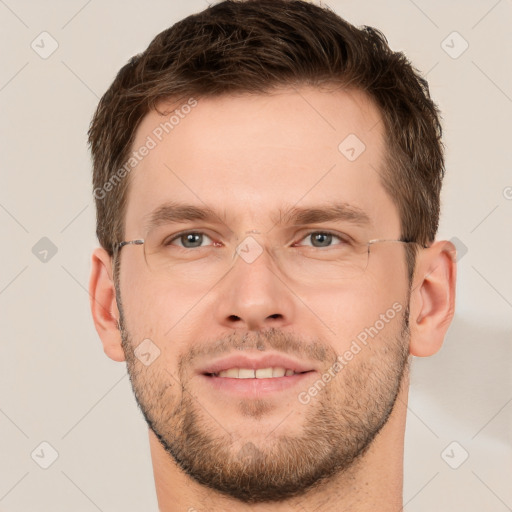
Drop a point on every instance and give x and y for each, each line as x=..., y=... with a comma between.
x=173, y=212
x=329, y=212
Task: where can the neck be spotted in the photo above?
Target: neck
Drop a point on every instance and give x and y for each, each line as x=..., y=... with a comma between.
x=373, y=482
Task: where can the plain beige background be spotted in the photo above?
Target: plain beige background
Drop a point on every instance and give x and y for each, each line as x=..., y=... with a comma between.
x=57, y=386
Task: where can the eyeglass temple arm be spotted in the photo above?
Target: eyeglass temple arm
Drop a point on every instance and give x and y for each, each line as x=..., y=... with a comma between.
x=130, y=242
x=370, y=242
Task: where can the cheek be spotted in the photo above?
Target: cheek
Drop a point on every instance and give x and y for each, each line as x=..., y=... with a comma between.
x=367, y=308
x=147, y=299
x=164, y=312
x=145, y=315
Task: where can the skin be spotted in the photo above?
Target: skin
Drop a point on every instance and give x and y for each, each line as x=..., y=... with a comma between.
x=246, y=156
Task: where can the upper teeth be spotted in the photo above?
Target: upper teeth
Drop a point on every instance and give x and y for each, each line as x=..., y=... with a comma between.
x=260, y=373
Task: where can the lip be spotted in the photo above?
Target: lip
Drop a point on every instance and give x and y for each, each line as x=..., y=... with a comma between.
x=255, y=363
x=256, y=388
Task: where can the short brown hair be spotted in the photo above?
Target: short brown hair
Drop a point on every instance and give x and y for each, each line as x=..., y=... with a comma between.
x=255, y=46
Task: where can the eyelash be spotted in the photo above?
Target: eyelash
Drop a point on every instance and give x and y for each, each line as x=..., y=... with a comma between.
x=309, y=233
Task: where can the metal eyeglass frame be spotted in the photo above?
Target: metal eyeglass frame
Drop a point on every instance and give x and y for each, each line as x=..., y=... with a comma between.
x=140, y=241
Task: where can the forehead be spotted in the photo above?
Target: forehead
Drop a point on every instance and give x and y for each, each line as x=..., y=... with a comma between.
x=248, y=155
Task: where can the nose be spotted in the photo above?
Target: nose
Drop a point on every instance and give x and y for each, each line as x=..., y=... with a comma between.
x=253, y=295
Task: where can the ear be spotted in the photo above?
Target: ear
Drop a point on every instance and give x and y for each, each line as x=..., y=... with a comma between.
x=104, y=306
x=432, y=298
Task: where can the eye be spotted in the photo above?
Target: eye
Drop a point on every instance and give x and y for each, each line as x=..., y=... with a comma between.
x=188, y=240
x=323, y=239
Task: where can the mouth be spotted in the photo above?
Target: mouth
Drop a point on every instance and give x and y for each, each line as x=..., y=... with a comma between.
x=260, y=373
x=255, y=366
x=251, y=384
x=255, y=375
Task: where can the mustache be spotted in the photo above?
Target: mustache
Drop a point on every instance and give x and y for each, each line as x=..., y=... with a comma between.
x=269, y=339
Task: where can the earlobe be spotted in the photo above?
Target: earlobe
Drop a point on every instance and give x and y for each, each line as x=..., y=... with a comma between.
x=104, y=306
x=432, y=298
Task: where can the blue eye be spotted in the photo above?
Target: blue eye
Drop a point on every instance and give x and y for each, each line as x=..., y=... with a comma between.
x=322, y=238
x=189, y=240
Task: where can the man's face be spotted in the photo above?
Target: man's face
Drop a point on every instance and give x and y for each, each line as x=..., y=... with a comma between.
x=282, y=293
